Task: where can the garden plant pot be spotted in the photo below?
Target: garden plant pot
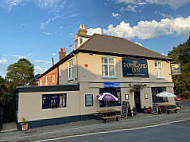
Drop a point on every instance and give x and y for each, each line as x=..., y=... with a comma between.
x=24, y=127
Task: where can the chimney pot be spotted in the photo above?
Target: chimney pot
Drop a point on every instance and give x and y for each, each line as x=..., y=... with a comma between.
x=82, y=30
x=84, y=27
x=80, y=27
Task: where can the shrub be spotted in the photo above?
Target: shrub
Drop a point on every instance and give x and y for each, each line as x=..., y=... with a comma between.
x=185, y=95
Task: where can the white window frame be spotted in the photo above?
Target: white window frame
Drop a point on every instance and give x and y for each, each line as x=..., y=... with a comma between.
x=46, y=80
x=53, y=78
x=108, y=64
x=158, y=69
x=72, y=70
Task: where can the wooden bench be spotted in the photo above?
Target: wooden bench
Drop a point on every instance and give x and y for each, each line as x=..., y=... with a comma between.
x=110, y=117
x=173, y=109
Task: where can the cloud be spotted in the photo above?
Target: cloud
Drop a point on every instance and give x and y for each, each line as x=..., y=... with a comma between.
x=164, y=15
x=39, y=70
x=42, y=4
x=151, y=29
x=3, y=61
x=91, y=31
x=73, y=15
x=44, y=24
x=43, y=62
x=116, y=15
x=131, y=8
x=53, y=54
x=19, y=56
x=47, y=33
x=174, y=4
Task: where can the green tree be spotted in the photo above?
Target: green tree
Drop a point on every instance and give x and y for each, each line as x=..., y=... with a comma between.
x=20, y=73
x=2, y=91
x=181, y=55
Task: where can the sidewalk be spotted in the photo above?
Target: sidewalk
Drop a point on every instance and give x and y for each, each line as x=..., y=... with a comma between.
x=9, y=127
x=89, y=126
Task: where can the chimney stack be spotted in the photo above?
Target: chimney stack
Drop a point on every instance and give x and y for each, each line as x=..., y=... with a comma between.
x=82, y=30
x=62, y=53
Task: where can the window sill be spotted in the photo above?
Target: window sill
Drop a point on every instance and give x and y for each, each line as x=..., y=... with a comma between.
x=109, y=77
x=70, y=80
x=159, y=78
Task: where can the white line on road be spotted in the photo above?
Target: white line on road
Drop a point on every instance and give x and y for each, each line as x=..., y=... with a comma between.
x=111, y=131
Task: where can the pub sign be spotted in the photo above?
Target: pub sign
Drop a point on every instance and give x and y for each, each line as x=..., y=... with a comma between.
x=176, y=69
x=134, y=67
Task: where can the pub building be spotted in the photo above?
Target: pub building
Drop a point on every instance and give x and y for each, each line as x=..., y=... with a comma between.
x=68, y=91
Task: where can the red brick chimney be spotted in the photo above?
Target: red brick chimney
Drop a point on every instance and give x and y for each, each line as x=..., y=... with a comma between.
x=62, y=53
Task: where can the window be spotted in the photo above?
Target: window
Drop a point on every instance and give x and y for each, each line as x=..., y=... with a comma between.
x=46, y=80
x=108, y=67
x=53, y=78
x=80, y=40
x=155, y=91
x=76, y=43
x=53, y=100
x=116, y=92
x=70, y=70
x=126, y=96
x=88, y=100
x=158, y=69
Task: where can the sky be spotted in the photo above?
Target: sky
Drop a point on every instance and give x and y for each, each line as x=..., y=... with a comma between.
x=37, y=29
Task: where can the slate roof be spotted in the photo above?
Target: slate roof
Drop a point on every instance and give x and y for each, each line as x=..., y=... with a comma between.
x=115, y=45
x=110, y=45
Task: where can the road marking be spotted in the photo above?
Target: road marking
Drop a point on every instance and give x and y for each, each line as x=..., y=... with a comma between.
x=111, y=131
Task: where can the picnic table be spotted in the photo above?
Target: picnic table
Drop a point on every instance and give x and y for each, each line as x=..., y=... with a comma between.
x=108, y=114
x=167, y=108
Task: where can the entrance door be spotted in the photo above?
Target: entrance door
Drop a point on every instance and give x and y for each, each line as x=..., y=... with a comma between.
x=137, y=100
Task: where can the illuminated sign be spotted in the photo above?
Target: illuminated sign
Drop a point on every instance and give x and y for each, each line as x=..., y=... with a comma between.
x=134, y=67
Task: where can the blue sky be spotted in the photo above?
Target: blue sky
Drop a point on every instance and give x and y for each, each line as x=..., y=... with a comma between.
x=37, y=29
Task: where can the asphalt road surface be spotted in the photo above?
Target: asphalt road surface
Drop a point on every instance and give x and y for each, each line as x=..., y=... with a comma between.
x=175, y=132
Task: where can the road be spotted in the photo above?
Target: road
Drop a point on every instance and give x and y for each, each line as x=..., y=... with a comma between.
x=178, y=131
x=125, y=129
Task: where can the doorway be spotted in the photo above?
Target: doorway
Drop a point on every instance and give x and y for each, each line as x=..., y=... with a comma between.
x=137, y=100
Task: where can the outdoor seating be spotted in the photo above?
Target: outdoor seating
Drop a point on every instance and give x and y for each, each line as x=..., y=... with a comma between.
x=172, y=108
x=108, y=114
x=109, y=117
x=167, y=108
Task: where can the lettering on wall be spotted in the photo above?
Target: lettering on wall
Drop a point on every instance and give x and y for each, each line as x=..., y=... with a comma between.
x=134, y=67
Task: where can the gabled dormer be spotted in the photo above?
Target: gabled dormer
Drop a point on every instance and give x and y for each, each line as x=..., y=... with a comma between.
x=80, y=37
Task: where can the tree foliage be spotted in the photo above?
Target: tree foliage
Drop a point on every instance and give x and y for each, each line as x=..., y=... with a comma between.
x=181, y=55
x=20, y=73
x=2, y=91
